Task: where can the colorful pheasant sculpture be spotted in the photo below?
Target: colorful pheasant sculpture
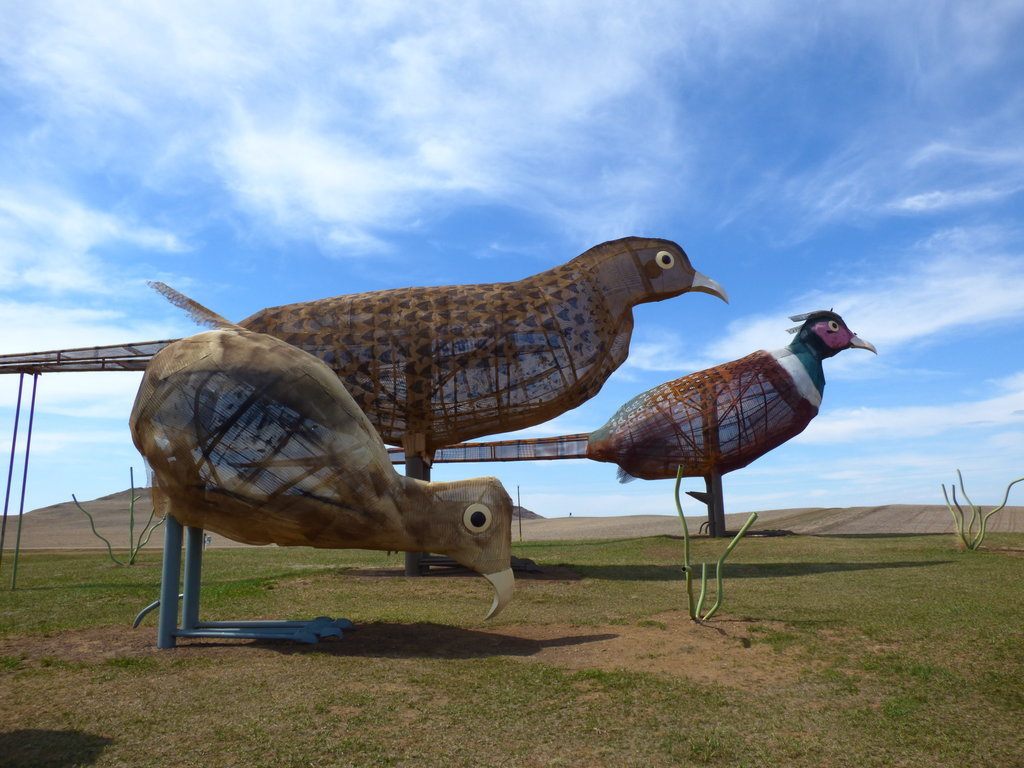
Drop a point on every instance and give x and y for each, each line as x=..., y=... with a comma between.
x=720, y=419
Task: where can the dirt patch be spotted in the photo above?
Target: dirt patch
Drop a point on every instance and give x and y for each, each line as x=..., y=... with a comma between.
x=725, y=651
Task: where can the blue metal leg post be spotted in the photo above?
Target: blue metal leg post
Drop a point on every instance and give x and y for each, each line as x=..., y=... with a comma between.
x=168, y=630
x=193, y=575
x=169, y=584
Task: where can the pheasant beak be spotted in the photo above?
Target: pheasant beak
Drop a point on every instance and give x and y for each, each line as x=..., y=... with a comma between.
x=504, y=584
x=859, y=343
x=704, y=284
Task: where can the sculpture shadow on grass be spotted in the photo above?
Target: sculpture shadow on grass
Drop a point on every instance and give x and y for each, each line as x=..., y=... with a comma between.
x=37, y=748
x=741, y=570
x=428, y=641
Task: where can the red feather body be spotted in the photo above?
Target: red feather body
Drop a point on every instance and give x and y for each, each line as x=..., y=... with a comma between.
x=721, y=418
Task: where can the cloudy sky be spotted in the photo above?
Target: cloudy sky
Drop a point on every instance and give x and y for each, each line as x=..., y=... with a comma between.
x=857, y=155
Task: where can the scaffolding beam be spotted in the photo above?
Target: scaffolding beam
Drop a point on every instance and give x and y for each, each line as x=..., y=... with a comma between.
x=113, y=357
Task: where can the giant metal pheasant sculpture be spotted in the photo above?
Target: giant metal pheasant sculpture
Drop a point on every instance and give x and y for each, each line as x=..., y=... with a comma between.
x=722, y=418
x=438, y=365
x=257, y=440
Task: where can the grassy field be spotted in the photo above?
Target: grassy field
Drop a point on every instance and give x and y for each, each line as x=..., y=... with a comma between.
x=858, y=651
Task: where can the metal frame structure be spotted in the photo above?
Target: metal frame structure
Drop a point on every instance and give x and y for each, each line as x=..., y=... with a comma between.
x=169, y=628
x=115, y=357
x=552, y=448
x=24, y=474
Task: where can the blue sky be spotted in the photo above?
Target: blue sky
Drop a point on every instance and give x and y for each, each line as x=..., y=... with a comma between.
x=857, y=155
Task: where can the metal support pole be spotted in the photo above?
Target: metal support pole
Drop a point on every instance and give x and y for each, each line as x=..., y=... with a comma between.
x=10, y=467
x=417, y=468
x=24, y=481
x=716, y=505
x=193, y=574
x=169, y=584
x=519, y=505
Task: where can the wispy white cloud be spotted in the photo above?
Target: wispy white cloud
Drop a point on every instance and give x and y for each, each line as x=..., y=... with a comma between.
x=869, y=179
x=363, y=120
x=33, y=327
x=956, y=280
x=360, y=120
x=937, y=200
x=665, y=352
x=54, y=243
x=902, y=423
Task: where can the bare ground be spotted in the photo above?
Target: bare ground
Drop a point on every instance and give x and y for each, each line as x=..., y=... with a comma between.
x=668, y=644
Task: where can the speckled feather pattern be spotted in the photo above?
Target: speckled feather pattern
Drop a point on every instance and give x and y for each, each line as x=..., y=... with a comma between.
x=721, y=418
x=452, y=363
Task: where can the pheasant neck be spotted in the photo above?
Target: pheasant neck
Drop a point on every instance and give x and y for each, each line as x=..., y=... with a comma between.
x=811, y=362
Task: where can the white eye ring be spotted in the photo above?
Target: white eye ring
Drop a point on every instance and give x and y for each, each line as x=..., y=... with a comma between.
x=664, y=259
x=833, y=326
x=477, y=518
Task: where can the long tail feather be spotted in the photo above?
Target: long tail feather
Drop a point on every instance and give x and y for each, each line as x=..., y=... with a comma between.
x=624, y=476
x=199, y=314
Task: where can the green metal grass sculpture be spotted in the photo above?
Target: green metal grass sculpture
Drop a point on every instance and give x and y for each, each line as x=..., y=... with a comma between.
x=134, y=545
x=967, y=536
x=696, y=607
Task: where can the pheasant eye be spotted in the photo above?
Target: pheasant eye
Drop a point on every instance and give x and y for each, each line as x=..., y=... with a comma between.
x=664, y=259
x=833, y=326
x=477, y=518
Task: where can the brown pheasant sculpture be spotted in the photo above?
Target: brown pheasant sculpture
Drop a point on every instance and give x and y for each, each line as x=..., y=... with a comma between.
x=440, y=365
x=257, y=440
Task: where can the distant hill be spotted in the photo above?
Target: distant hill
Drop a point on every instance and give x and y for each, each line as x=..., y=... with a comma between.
x=63, y=526
x=525, y=514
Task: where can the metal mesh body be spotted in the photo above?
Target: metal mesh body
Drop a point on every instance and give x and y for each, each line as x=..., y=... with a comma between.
x=252, y=438
x=447, y=364
x=718, y=419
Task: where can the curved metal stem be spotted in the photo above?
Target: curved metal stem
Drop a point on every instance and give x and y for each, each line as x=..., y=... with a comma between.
x=974, y=509
x=110, y=550
x=958, y=515
x=984, y=518
x=703, y=588
x=721, y=562
x=687, y=570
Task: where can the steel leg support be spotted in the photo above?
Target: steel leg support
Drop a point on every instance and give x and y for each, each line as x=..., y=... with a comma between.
x=167, y=629
x=716, y=505
x=193, y=577
x=417, y=468
x=169, y=584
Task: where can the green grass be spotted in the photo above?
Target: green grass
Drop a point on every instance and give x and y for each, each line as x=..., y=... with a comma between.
x=903, y=651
